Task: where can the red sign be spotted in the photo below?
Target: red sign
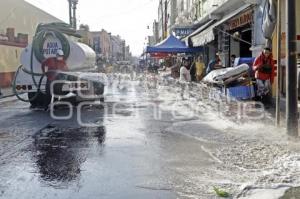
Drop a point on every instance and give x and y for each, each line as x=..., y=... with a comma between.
x=241, y=20
x=160, y=55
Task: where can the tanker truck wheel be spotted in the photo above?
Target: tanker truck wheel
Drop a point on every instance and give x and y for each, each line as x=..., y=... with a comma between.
x=99, y=90
x=36, y=99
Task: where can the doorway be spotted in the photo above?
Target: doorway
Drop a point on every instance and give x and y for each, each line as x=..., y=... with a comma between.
x=246, y=35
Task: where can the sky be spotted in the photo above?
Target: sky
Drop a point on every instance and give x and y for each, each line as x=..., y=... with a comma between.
x=127, y=18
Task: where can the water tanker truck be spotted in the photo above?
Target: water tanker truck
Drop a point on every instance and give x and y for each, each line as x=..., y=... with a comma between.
x=45, y=83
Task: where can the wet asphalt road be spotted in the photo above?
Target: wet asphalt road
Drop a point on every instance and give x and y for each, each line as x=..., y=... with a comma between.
x=128, y=153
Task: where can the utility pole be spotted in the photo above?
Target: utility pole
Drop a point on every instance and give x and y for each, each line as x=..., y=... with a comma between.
x=291, y=70
x=75, y=2
x=279, y=73
x=72, y=13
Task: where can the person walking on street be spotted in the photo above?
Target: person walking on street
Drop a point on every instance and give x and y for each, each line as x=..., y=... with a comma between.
x=264, y=68
x=185, y=75
x=199, y=68
x=232, y=60
x=214, y=64
x=193, y=70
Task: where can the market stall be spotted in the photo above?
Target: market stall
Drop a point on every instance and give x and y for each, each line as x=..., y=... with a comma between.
x=172, y=45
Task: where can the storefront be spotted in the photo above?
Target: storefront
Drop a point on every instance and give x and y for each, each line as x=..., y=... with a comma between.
x=236, y=36
x=232, y=34
x=207, y=40
x=241, y=27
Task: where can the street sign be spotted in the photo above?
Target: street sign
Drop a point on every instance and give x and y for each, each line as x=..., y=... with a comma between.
x=183, y=32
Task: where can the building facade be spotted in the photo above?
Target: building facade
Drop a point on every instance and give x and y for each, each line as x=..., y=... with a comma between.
x=174, y=17
x=161, y=20
x=127, y=54
x=17, y=28
x=201, y=8
x=108, y=47
x=229, y=27
x=151, y=41
x=155, y=31
x=105, y=44
x=172, y=14
x=117, y=48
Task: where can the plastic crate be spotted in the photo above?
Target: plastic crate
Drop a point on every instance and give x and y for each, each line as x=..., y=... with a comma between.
x=241, y=92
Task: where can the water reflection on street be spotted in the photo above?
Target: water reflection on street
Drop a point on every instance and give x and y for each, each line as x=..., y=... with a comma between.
x=60, y=152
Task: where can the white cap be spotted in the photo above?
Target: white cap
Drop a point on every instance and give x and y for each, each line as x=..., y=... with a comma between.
x=59, y=52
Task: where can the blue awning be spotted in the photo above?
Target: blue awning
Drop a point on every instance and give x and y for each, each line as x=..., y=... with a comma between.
x=172, y=45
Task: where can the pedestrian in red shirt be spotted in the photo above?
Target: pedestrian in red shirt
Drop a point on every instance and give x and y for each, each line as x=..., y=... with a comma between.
x=51, y=68
x=264, y=68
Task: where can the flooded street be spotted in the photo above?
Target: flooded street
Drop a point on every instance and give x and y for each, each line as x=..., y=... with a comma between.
x=132, y=147
x=128, y=155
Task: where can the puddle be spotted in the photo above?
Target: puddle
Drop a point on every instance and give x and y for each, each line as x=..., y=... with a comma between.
x=59, y=152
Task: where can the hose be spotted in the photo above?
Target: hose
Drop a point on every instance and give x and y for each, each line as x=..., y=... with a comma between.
x=39, y=40
x=18, y=95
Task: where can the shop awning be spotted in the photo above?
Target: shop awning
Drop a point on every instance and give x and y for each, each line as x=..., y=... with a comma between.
x=171, y=45
x=203, y=36
x=186, y=39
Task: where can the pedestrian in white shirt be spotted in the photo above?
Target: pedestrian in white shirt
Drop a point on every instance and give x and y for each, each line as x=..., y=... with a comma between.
x=185, y=75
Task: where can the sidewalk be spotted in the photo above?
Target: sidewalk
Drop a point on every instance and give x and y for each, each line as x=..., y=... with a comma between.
x=251, y=154
x=167, y=75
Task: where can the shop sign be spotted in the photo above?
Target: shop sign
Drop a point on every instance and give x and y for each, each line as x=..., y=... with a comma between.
x=241, y=20
x=183, y=32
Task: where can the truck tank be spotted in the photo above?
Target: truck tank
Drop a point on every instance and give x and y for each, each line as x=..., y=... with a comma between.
x=80, y=57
